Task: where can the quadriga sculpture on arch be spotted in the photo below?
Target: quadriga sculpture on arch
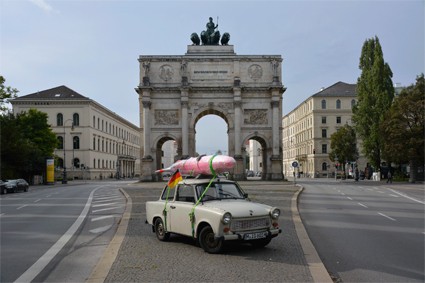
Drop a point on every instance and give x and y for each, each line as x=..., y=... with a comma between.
x=210, y=36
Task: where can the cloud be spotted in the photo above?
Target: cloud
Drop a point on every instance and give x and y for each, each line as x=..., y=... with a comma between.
x=43, y=5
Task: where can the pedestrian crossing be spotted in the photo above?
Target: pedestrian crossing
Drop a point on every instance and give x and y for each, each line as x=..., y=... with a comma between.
x=106, y=209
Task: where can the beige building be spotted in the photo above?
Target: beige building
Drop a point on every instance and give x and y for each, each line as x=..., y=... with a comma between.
x=307, y=130
x=94, y=142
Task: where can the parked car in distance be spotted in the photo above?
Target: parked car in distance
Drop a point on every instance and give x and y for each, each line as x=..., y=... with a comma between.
x=12, y=186
x=3, y=189
x=212, y=212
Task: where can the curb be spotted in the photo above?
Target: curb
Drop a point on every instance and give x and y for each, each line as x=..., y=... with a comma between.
x=101, y=270
x=315, y=264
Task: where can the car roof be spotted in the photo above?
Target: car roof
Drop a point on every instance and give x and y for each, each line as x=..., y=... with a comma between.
x=203, y=181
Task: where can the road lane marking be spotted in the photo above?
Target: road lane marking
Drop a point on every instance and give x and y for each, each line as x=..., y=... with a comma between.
x=349, y=198
x=396, y=196
x=103, y=209
x=102, y=217
x=2, y=214
x=362, y=205
x=100, y=229
x=37, y=200
x=403, y=195
x=386, y=216
x=105, y=200
x=45, y=259
x=22, y=206
x=104, y=204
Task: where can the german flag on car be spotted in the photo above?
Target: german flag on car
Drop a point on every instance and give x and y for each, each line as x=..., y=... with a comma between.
x=175, y=179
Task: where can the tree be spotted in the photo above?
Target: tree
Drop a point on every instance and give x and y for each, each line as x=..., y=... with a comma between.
x=375, y=93
x=6, y=93
x=344, y=145
x=404, y=127
x=26, y=140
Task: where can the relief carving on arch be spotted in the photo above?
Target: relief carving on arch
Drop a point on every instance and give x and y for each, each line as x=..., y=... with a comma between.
x=255, y=116
x=166, y=117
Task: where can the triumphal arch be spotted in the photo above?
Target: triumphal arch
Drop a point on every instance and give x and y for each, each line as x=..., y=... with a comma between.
x=245, y=90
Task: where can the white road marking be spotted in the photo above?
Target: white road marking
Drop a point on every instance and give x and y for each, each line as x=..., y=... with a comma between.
x=102, y=217
x=349, y=198
x=343, y=194
x=22, y=206
x=396, y=196
x=362, y=205
x=101, y=229
x=2, y=214
x=403, y=195
x=103, y=209
x=105, y=200
x=386, y=216
x=45, y=259
x=104, y=204
x=37, y=200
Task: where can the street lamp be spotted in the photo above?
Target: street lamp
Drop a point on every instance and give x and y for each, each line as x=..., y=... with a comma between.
x=64, y=177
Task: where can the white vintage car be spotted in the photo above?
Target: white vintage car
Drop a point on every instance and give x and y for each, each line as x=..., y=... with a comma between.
x=212, y=214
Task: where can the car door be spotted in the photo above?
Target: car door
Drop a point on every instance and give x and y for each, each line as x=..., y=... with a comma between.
x=181, y=208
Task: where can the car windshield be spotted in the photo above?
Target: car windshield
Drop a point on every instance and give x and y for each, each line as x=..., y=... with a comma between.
x=219, y=191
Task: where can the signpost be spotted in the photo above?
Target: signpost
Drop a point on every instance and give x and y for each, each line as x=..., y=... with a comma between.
x=295, y=165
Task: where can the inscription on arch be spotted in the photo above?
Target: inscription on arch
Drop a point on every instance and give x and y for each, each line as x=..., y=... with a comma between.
x=166, y=117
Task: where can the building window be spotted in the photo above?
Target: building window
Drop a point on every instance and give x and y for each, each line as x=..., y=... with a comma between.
x=60, y=162
x=94, y=143
x=76, y=163
x=76, y=119
x=338, y=104
x=338, y=120
x=59, y=119
x=60, y=142
x=324, y=133
x=323, y=104
x=324, y=120
x=94, y=162
x=324, y=166
x=76, y=142
x=324, y=148
x=94, y=122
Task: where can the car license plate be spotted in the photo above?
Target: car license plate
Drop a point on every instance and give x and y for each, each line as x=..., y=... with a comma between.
x=254, y=236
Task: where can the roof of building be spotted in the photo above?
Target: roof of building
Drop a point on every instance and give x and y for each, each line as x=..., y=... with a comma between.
x=338, y=89
x=60, y=92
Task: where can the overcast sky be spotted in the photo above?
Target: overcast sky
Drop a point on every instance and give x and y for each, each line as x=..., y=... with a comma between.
x=92, y=46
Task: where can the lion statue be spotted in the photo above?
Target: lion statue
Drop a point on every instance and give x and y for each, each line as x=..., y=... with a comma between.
x=225, y=38
x=195, y=38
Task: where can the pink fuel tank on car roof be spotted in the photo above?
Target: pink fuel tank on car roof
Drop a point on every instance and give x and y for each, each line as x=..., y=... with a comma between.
x=201, y=165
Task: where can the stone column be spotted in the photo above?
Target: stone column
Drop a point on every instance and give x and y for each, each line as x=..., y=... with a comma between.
x=185, y=123
x=275, y=128
x=237, y=101
x=146, y=128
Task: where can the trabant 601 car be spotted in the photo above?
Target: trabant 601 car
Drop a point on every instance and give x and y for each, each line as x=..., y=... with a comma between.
x=212, y=211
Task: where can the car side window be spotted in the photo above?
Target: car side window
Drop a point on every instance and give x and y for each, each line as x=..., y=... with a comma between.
x=185, y=193
x=169, y=193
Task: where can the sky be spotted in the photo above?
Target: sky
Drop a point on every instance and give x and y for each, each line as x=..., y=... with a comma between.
x=92, y=46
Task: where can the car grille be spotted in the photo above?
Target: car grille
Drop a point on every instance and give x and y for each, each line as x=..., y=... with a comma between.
x=249, y=224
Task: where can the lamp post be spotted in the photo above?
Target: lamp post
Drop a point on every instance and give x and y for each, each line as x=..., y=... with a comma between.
x=64, y=177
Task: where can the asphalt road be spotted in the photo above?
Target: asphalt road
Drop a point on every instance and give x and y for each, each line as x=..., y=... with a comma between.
x=366, y=231
x=57, y=233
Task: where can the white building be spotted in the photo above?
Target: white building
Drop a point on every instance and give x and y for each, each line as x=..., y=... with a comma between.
x=94, y=142
x=307, y=130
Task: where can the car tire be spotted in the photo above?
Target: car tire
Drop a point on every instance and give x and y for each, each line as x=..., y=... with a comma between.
x=160, y=231
x=260, y=243
x=3, y=191
x=208, y=242
x=26, y=190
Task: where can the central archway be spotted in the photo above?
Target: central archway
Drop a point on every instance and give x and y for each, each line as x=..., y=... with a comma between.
x=211, y=135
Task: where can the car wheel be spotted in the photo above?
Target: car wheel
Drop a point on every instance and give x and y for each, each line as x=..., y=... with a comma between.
x=208, y=242
x=160, y=232
x=260, y=243
x=26, y=190
x=4, y=191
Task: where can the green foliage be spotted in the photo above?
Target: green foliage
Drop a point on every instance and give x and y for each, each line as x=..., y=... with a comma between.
x=404, y=126
x=26, y=140
x=344, y=145
x=375, y=93
x=6, y=93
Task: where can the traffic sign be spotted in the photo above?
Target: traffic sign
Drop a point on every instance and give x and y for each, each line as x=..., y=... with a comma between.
x=295, y=164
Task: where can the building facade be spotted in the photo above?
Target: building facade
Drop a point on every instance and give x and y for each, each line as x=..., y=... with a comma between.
x=307, y=130
x=93, y=142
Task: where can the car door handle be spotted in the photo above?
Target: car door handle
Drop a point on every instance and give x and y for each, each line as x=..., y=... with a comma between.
x=172, y=206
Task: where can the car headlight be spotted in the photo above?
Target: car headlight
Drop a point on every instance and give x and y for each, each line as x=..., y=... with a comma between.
x=275, y=213
x=227, y=217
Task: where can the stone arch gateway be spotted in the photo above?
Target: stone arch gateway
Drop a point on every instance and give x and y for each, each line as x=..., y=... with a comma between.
x=176, y=91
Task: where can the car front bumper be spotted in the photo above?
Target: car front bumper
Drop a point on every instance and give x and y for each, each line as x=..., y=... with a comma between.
x=250, y=235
